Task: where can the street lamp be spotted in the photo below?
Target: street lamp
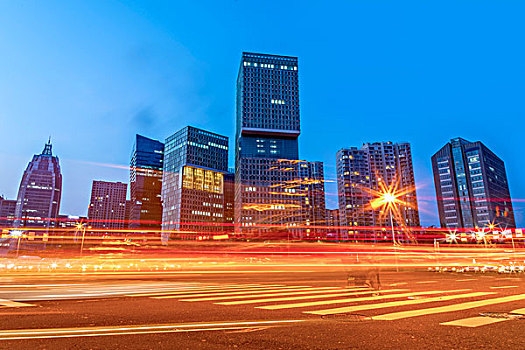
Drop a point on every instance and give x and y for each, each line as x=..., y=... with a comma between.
x=81, y=226
x=388, y=199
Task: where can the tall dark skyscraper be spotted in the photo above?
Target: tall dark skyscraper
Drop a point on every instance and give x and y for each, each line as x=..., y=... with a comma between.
x=365, y=168
x=145, y=182
x=107, y=207
x=195, y=162
x=38, y=201
x=267, y=166
x=471, y=186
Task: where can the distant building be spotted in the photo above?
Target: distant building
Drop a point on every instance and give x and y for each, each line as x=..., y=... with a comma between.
x=471, y=186
x=229, y=201
x=67, y=228
x=70, y=221
x=358, y=171
x=313, y=211
x=107, y=207
x=146, y=183
x=7, y=213
x=332, y=220
x=195, y=162
x=127, y=213
x=269, y=194
x=38, y=201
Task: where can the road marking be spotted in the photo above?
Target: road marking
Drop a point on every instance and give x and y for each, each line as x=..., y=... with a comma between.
x=211, y=291
x=424, y=282
x=503, y=287
x=295, y=291
x=10, y=303
x=473, y=321
x=448, y=308
x=467, y=279
x=324, y=296
x=353, y=300
x=125, y=330
x=479, y=321
x=396, y=303
x=397, y=284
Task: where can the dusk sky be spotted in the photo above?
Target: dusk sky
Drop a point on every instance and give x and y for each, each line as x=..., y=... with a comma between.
x=92, y=74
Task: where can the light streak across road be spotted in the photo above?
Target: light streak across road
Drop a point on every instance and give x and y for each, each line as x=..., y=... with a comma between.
x=139, y=329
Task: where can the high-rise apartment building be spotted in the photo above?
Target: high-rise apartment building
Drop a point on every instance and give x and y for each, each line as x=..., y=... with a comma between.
x=145, y=183
x=267, y=166
x=38, y=201
x=195, y=162
x=358, y=171
x=107, y=207
x=471, y=186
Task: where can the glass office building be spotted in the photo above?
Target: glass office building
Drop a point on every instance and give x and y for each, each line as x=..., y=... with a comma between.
x=471, y=186
x=195, y=162
x=38, y=201
x=145, y=183
x=267, y=165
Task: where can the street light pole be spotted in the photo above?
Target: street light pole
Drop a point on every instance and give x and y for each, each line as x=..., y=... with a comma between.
x=83, y=228
x=394, y=239
x=392, y=226
x=18, y=246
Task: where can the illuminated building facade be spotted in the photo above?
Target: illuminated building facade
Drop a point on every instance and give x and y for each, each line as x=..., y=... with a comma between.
x=195, y=162
x=471, y=186
x=107, y=207
x=266, y=153
x=38, y=201
x=332, y=220
x=313, y=213
x=145, y=183
x=364, y=168
x=229, y=201
x=7, y=212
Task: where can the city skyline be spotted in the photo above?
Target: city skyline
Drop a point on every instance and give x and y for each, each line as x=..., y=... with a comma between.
x=472, y=101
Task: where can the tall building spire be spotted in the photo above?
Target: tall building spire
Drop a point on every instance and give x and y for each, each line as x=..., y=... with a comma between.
x=47, y=148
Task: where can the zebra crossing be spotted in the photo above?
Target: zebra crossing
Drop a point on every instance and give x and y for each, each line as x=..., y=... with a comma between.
x=334, y=300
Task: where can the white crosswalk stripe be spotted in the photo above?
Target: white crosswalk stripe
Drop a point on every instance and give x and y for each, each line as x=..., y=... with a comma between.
x=314, y=300
x=479, y=321
x=236, y=295
x=323, y=296
x=272, y=293
x=448, y=308
x=396, y=303
x=354, y=300
x=210, y=288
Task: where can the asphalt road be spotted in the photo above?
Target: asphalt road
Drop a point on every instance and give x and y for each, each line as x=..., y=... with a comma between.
x=266, y=309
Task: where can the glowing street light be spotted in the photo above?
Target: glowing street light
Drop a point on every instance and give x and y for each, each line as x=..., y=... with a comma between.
x=389, y=199
x=452, y=236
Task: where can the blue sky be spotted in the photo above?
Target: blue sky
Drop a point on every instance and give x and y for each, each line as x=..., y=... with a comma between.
x=93, y=73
